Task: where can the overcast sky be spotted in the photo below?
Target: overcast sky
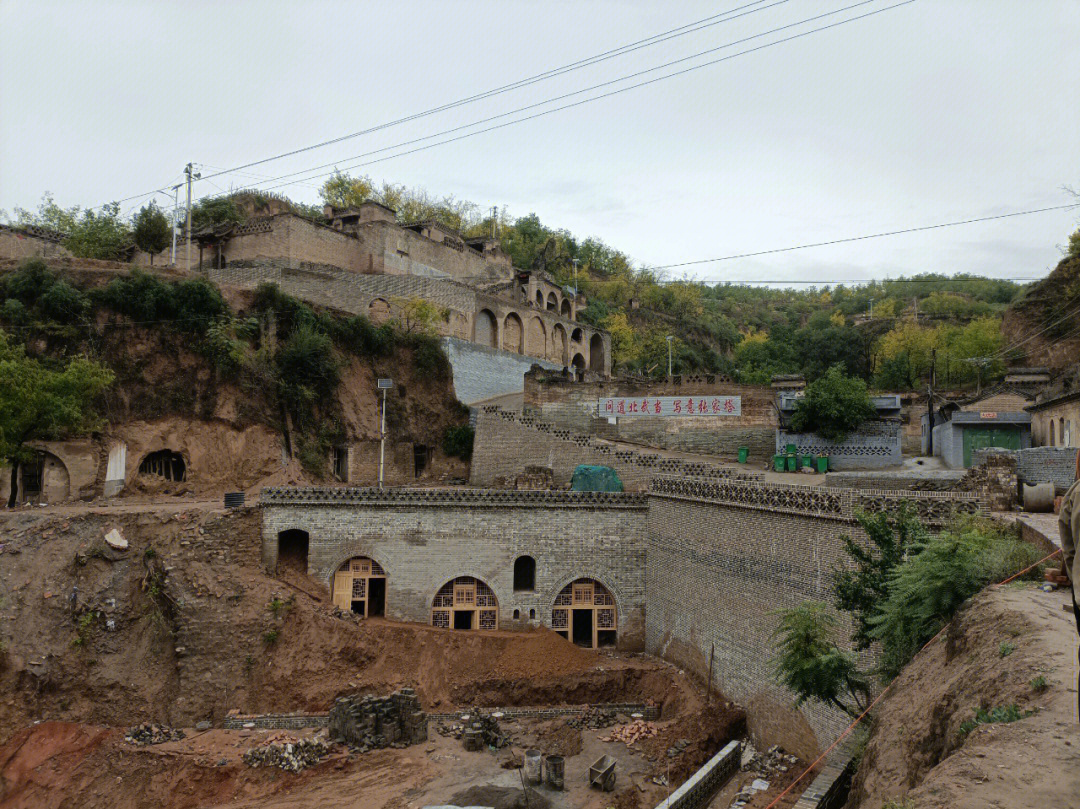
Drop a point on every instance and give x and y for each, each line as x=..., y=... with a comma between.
x=932, y=112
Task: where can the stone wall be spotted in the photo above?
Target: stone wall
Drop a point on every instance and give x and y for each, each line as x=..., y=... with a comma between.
x=506, y=442
x=482, y=373
x=21, y=243
x=572, y=404
x=876, y=444
x=723, y=557
x=1055, y=465
x=423, y=538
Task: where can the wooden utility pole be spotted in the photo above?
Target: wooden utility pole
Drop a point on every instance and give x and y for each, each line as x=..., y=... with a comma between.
x=708, y=693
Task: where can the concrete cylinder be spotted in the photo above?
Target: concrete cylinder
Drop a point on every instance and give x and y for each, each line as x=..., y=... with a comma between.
x=1039, y=497
x=532, y=766
x=555, y=767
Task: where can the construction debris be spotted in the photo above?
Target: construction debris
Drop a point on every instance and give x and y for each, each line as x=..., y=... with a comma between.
x=291, y=756
x=151, y=733
x=631, y=732
x=476, y=730
x=372, y=723
x=768, y=764
x=594, y=718
x=116, y=540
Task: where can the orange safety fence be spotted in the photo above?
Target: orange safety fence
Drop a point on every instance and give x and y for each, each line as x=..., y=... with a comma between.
x=885, y=691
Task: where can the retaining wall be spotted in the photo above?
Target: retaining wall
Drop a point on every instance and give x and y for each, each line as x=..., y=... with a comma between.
x=697, y=790
x=482, y=373
x=507, y=441
x=724, y=556
x=1055, y=465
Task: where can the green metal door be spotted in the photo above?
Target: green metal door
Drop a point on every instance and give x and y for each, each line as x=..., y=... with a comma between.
x=982, y=437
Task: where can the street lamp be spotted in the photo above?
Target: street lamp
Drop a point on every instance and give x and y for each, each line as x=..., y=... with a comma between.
x=669, y=338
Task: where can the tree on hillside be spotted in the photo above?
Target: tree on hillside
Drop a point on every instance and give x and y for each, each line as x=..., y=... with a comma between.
x=91, y=233
x=813, y=666
x=833, y=406
x=152, y=231
x=211, y=212
x=38, y=402
x=343, y=191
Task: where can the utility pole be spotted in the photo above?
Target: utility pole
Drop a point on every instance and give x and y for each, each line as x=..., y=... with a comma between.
x=494, y=221
x=916, y=302
x=175, y=209
x=384, y=386
x=575, y=275
x=930, y=403
x=871, y=308
x=191, y=175
x=669, y=338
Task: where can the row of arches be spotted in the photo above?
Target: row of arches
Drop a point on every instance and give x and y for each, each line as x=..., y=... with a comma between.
x=584, y=612
x=552, y=304
x=512, y=335
x=1064, y=437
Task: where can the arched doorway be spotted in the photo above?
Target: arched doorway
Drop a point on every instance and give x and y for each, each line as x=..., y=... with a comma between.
x=553, y=302
x=465, y=603
x=578, y=366
x=540, y=299
x=584, y=613
x=576, y=335
x=567, y=311
x=537, y=342
x=293, y=550
x=378, y=311
x=558, y=344
x=596, y=354
x=360, y=587
x=487, y=330
x=43, y=478
x=513, y=334
x=164, y=464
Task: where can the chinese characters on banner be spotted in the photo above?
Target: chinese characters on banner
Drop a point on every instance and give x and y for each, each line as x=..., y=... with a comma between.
x=672, y=406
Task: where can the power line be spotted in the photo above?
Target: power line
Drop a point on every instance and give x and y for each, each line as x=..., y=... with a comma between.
x=552, y=73
x=587, y=89
x=870, y=236
x=548, y=74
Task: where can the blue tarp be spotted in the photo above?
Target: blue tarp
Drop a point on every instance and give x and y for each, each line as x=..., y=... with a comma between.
x=595, y=479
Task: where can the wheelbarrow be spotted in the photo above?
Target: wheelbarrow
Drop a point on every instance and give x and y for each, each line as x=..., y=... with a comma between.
x=602, y=774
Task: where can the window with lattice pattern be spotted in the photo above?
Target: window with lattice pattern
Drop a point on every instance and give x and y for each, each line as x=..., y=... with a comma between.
x=441, y=619
x=487, y=619
x=359, y=589
x=559, y=619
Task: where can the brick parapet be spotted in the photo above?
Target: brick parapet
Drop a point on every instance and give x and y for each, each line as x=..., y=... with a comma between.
x=456, y=496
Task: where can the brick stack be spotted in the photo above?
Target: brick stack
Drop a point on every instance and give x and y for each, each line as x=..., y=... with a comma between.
x=371, y=723
x=994, y=480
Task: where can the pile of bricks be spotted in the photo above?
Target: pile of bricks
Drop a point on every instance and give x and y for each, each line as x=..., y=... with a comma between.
x=476, y=731
x=371, y=723
x=994, y=480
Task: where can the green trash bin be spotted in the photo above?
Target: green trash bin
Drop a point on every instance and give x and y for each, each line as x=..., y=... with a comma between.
x=823, y=463
x=778, y=462
x=792, y=463
x=791, y=449
x=808, y=461
x=744, y=453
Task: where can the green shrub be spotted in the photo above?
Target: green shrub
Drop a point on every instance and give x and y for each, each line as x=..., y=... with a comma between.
x=29, y=282
x=307, y=370
x=270, y=637
x=1038, y=685
x=1001, y=715
x=64, y=303
x=458, y=441
x=1006, y=649
x=833, y=406
x=939, y=575
x=429, y=359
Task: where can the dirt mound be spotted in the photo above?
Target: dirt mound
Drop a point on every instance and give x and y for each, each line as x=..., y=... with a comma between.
x=920, y=748
x=559, y=739
x=500, y=798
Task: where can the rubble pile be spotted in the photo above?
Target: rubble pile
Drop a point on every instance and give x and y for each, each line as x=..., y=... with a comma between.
x=152, y=733
x=594, y=719
x=371, y=723
x=631, y=732
x=766, y=767
x=476, y=730
x=291, y=756
x=677, y=748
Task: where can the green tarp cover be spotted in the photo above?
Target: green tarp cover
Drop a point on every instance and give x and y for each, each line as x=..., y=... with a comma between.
x=595, y=479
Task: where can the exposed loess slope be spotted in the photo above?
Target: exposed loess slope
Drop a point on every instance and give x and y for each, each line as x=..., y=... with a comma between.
x=917, y=755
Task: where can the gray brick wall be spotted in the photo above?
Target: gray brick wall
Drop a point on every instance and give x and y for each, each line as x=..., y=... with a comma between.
x=1055, y=465
x=482, y=373
x=506, y=442
x=422, y=545
x=875, y=445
